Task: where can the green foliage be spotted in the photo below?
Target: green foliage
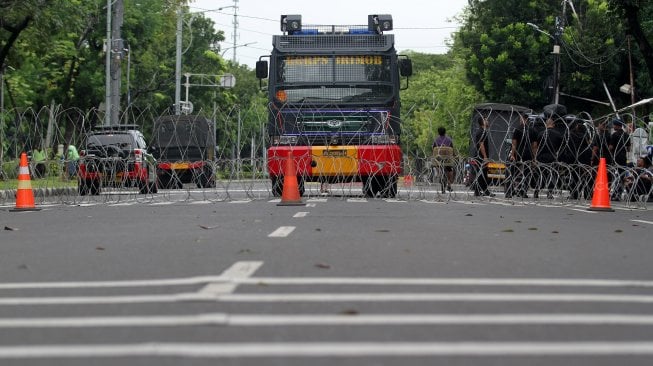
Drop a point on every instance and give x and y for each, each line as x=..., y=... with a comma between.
x=511, y=62
x=437, y=96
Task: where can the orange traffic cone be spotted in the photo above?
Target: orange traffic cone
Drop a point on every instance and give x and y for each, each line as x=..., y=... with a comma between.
x=24, y=194
x=601, y=195
x=290, y=195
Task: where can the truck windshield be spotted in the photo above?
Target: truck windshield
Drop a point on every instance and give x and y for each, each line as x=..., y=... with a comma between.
x=334, y=79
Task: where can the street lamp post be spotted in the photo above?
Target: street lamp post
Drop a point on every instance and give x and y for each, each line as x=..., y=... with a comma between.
x=179, y=52
x=236, y=46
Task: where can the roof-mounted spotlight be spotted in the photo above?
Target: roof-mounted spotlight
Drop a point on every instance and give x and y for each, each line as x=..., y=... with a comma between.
x=291, y=23
x=379, y=23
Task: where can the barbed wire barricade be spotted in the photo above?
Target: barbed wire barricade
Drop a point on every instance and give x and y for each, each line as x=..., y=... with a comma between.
x=234, y=165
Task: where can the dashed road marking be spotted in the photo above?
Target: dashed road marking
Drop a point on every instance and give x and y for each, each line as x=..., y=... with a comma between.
x=643, y=221
x=357, y=200
x=300, y=214
x=282, y=232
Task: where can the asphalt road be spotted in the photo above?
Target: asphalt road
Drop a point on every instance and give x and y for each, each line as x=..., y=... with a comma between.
x=345, y=281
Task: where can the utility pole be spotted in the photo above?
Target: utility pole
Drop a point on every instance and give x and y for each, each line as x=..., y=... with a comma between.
x=117, y=50
x=557, y=36
x=632, y=77
x=235, y=35
x=107, y=71
x=180, y=24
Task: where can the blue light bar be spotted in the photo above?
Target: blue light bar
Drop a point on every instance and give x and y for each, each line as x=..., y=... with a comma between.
x=305, y=32
x=360, y=31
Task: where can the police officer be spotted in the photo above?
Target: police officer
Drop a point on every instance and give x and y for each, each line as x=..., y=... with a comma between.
x=581, y=180
x=521, y=155
x=546, y=148
x=619, y=146
x=482, y=158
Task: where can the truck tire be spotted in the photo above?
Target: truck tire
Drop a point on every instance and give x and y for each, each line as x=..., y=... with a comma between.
x=83, y=187
x=277, y=186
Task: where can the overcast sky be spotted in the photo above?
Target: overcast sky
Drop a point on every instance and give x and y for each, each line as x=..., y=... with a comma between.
x=422, y=26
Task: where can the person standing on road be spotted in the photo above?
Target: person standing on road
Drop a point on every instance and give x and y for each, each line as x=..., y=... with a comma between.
x=640, y=181
x=445, y=141
x=72, y=158
x=521, y=155
x=619, y=147
x=582, y=179
x=482, y=159
x=38, y=161
x=545, y=150
x=600, y=145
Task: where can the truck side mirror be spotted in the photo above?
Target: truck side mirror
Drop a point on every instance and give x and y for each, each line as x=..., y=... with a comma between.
x=261, y=69
x=405, y=67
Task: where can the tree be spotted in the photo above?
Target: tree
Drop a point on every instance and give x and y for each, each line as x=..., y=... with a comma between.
x=510, y=61
x=638, y=21
x=438, y=96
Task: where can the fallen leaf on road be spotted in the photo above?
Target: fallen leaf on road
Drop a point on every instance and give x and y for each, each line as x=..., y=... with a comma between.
x=99, y=248
x=10, y=228
x=469, y=215
x=322, y=265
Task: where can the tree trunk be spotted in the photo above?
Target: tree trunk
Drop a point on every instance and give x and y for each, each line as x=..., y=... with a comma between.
x=632, y=11
x=15, y=32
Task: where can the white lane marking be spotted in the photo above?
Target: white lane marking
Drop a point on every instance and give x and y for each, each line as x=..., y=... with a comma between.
x=311, y=204
x=317, y=200
x=88, y=300
x=205, y=202
x=584, y=211
x=325, y=319
x=163, y=203
x=241, y=201
x=329, y=349
x=117, y=321
x=387, y=281
x=282, y=232
x=357, y=200
x=643, y=221
x=326, y=297
x=238, y=270
x=435, y=297
x=301, y=214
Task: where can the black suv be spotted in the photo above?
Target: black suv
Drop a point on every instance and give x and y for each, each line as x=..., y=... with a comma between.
x=116, y=156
